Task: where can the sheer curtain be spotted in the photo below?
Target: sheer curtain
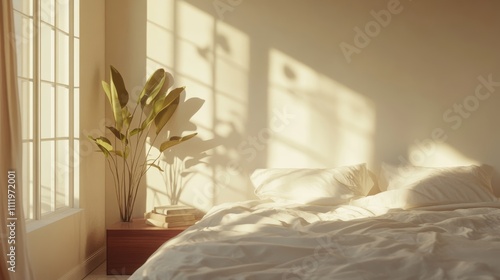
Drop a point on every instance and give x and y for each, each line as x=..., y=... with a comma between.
x=14, y=261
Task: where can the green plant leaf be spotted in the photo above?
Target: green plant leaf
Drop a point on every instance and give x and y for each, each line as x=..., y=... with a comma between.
x=118, y=153
x=107, y=90
x=104, y=151
x=135, y=131
x=160, y=105
x=172, y=96
x=103, y=144
x=170, y=104
x=147, y=122
x=160, y=97
x=119, y=84
x=112, y=98
x=115, y=103
x=175, y=140
x=126, y=117
x=184, y=138
x=101, y=149
x=152, y=87
x=116, y=133
x=164, y=115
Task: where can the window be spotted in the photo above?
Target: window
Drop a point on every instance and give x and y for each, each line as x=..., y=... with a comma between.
x=47, y=41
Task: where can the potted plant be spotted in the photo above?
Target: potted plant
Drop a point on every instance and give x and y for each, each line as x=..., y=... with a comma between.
x=126, y=153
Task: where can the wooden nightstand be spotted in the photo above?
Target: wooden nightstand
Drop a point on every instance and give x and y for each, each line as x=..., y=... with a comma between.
x=128, y=245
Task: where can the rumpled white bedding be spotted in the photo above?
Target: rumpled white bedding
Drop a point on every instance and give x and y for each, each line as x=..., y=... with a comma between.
x=266, y=240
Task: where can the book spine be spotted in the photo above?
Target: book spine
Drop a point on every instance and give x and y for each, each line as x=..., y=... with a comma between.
x=156, y=223
x=170, y=218
x=174, y=211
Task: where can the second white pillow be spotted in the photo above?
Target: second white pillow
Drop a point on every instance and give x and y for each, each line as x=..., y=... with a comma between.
x=312, y=186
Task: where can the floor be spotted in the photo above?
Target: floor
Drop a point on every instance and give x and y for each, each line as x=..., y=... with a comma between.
x=100, y=274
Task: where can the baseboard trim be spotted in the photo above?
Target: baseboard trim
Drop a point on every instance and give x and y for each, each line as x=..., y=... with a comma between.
x=85, y=268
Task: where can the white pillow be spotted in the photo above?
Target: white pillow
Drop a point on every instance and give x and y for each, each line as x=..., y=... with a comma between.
x=312, y=186
x=414, y=186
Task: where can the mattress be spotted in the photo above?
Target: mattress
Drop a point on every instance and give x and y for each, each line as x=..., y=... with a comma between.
x=265, y=239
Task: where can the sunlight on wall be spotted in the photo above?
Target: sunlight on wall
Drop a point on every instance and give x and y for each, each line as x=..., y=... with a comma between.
x=437, y=154
x=322, y=123
x=211, y=59
x=194, y=43
x=159, y=51
x=311, y=120
x=231, y=78
x=231, y=107
x=160, y=35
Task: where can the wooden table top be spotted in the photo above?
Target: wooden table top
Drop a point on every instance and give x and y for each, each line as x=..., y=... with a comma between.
x=138, y=223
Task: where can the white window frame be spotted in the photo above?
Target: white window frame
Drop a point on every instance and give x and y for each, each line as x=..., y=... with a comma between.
x=40, y=204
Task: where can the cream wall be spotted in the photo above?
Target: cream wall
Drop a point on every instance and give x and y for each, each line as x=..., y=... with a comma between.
x=302, y=84
x=72, y=246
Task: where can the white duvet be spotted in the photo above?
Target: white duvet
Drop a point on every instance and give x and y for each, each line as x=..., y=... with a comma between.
x=266, y=240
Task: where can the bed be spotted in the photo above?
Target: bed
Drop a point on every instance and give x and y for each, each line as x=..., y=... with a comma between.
x=423, y=223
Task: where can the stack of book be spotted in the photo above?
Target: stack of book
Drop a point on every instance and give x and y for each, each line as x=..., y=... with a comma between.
x=172, y=216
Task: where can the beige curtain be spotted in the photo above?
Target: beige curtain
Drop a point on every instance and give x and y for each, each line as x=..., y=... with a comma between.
x=14, y=262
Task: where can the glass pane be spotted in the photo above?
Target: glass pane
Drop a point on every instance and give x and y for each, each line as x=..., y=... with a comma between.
x=76, y=18
x=62, y=112
x=62, y=58
x=47, y=176
x=29, y=42
x=76, y=168
x=18, y=29
x=18, y=5
x=26, y=101
x=47, y=48
x=23, y=6
x=63, y=171
x=63, y=15
x=76, y=113
x=47, y=116
x=24, y=45
x=28, y=180
x=18, y=24
x=47, y=11
x=76, y=59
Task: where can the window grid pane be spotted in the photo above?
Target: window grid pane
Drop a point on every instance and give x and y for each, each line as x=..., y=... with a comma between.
x=47, y=53
x=26, y=105
x=63, y=174
x=62, y=111
x=47, y=111
x=76, y=112
x=76, y=62
x=23, y=6
x=48, y=11
x=24, y=45
x=76, y=169
x=28, y=179
x=63, y=15
x=62, y=58
x=51, y=186
x=76, y=18
x=47, y=176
